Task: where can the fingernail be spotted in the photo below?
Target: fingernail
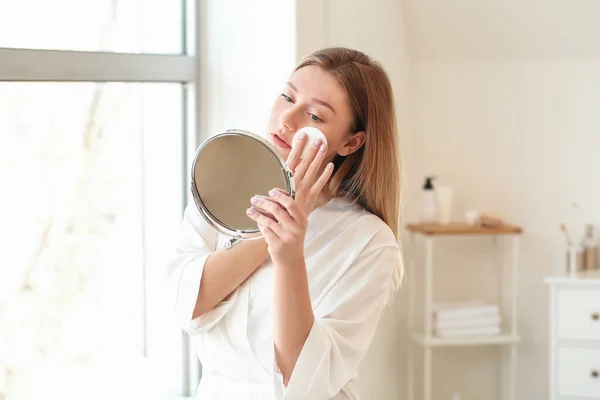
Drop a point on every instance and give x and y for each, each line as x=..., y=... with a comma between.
x=330, y=165
x=272, y=192
x=254, y=200
x=250, y=211
x=317, y=142
x=302, y=136
x=323, y=148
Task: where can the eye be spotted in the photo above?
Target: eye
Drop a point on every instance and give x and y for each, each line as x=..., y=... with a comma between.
x=287, y=98
x=315, y=118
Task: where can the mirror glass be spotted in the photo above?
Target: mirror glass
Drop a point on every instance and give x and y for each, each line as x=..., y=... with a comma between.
x=230, y=168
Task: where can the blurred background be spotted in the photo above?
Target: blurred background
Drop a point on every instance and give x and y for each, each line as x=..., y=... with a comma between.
x=103, y=103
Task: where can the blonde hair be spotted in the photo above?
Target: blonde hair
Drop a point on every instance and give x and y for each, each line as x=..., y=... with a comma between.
x=370, y=176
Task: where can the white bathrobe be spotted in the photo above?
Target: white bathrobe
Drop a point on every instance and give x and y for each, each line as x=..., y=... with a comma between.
x=350, y=258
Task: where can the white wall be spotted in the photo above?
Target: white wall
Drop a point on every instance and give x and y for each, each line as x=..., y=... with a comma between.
x=521, y=139
x=504, y=29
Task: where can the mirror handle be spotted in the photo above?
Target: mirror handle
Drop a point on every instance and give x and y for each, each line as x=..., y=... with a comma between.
x=231, y=242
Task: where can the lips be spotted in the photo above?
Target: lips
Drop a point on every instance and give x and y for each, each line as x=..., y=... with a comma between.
x=280, y=140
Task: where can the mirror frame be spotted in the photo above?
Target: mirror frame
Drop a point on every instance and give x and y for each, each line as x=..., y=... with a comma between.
x=237, y=234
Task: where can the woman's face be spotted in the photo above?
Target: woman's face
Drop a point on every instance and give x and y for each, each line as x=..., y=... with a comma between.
x=313, y=97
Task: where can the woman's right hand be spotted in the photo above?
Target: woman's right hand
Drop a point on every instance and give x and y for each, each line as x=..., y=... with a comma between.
x=283, y=220
x=309, y=175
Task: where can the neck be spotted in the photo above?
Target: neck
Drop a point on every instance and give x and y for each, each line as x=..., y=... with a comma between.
x=323, y=198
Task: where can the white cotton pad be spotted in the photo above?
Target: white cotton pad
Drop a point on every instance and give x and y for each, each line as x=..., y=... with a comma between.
x=312, y=134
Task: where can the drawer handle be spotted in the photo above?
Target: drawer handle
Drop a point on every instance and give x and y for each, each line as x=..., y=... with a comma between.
x=595, y=316
x=595, y=374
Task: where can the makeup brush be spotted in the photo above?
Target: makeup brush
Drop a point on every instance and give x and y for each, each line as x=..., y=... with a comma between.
x=563, y=228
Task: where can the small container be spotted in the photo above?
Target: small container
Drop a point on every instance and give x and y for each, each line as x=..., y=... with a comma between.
x=444, y=198
x=430, y=207
x=590, y=248
x=574, y=259
x=472, y=217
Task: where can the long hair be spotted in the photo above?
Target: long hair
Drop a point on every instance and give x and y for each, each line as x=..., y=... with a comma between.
x=371, y=175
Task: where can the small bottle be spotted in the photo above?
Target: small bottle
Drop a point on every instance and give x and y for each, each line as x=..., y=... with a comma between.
x=590, y=248
x=574, y=259
x=430, y=206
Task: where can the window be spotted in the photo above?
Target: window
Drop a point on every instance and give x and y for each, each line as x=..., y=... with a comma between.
x=94, y=181
x=127, y=26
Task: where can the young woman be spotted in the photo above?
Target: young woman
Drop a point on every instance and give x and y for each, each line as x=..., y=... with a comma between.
x=290, y=316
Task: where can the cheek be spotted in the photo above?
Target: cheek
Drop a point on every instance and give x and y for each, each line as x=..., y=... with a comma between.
x=276, y=111
x=334, y=140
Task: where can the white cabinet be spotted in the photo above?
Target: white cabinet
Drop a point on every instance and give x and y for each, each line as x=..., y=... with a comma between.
x=574, y=343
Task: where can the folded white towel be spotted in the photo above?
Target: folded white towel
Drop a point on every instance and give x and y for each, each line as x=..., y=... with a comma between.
x=470, y=322
x=464, y=309
x=449, y=332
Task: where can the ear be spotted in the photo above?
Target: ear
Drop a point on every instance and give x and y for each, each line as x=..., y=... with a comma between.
x=353, y=143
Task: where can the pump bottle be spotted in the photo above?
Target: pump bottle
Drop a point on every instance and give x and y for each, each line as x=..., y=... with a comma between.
x=430, y=207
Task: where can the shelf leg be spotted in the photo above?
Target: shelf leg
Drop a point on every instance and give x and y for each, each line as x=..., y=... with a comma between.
x=411, y=373
x=551, y=343
x=515, y=283
x=427, y=374
x=501, y=392
x=428, y=316
x=428, y=287
x=498, y=253
x=410, y=274
x=514, y=316
x=513, y=372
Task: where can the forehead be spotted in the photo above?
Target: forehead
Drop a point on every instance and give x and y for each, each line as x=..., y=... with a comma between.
x=315, y=82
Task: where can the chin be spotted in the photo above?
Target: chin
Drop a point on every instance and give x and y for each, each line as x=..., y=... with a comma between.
x=283, y=153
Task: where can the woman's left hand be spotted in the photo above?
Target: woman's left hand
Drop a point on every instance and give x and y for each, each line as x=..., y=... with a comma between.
x=284, y=229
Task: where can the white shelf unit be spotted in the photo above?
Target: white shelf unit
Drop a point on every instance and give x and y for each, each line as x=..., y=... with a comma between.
x=426, y=341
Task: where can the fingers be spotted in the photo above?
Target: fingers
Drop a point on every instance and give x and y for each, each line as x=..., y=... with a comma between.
x=279, y=213
x=264, y=221
x=297, y=147
x=276, y=244
x=324, y=178
x=269, y=235
x=292, y=208
x=315, y=166
x=313, y=156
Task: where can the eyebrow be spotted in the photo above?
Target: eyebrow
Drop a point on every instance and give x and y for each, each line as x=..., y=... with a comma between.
x=314, y=100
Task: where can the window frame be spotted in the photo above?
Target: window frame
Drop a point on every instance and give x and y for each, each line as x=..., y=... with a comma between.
x=59, y=66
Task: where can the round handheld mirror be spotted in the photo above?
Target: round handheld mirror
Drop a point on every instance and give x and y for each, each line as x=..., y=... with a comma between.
x=228, y=170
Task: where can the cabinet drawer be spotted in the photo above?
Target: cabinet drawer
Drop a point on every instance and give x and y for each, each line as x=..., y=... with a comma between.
x=579, y=372
x=579, y=314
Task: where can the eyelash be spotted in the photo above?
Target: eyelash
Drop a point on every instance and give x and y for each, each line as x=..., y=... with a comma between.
x=311, y=115
x=315, y=118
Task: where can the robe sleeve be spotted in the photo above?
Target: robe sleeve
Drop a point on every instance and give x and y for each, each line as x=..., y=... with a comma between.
x=345, y=323
x=197, y=240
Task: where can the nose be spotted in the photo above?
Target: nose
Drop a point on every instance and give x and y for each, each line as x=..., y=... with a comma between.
x=288, y=119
